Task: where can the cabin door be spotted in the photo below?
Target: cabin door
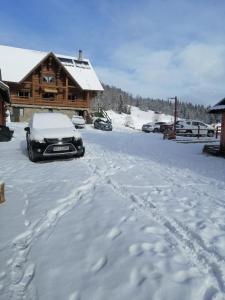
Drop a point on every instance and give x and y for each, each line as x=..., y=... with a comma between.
x=15, y=114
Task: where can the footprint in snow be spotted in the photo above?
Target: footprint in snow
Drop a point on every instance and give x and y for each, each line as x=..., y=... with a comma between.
x=99, y=264
x=114, y=232
x=74, y=296
x=28, y=276
x=139, y=275
x=139, y=249
x=27, y=223
x=132, y=219
x=2, y=275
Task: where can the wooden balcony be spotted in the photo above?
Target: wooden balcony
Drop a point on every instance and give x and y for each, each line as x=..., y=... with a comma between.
x=55, y=103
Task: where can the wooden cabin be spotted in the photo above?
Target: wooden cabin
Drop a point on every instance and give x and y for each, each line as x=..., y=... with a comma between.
x=219, y=108
x=4, y=102
x=47, y=82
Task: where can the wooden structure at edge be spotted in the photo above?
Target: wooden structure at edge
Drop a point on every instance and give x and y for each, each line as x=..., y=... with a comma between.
x=4, y=100
x=219, y=108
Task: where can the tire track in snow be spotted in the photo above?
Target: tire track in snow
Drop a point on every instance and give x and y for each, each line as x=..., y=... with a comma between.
x=205, y=259
x=200, y=255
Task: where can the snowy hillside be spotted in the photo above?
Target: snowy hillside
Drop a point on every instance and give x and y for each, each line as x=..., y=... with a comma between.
x=137, y=218
x=137, y=118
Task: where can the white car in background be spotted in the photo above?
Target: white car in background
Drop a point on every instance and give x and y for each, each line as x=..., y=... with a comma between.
x=148, y=127
x=194, y=127
x=157, y=126
x=78, y=121
x=152, y=127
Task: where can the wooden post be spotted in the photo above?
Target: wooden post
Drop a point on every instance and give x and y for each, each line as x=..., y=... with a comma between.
x=175, y=115
x=1, y=111
x=2, y=192
x=217, y=131
x=198, y=131
x=222, y=135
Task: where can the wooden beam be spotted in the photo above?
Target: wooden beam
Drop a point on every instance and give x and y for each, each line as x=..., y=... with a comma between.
x=2, y=192
x=222, y=137
x=66, y=88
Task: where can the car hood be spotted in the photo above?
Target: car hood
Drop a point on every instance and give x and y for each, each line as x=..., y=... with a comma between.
x=40, y=134
x=210, y=127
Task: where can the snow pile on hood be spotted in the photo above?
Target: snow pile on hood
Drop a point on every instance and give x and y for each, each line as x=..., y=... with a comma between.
x=137, y=118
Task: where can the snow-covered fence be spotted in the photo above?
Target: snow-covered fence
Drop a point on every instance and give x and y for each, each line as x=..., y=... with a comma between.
x=196, y=132
x=2, y=192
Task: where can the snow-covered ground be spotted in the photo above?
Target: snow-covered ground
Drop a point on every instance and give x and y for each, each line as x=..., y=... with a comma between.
x=137, y=218
x=137, y=118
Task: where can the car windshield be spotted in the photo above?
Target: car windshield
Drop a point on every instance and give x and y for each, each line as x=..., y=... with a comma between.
x=50, y=121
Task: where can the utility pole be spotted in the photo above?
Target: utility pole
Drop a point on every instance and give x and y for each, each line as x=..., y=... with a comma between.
x=175, y=114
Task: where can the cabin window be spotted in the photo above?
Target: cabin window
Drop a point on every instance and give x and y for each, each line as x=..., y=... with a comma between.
x=24, y=94
x=82, y=64
x=72, y=97
x=48, y=96
x=48, y=79
x=66, y=60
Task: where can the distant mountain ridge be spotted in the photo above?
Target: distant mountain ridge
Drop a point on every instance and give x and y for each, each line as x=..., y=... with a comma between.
x=116, y=99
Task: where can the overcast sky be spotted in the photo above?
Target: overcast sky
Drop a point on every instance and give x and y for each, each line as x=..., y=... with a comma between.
x=159, y=48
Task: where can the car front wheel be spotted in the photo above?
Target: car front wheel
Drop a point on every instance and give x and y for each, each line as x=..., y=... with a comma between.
x=210, y=134
x=32, y=156
x=80, y=154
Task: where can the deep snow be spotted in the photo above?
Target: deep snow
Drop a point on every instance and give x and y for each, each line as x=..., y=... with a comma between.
x=138, y=217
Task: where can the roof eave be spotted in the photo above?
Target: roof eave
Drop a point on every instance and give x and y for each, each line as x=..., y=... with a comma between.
x=216, y=111
x=4, y=89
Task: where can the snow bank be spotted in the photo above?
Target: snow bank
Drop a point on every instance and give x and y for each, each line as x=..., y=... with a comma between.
x=137, y=118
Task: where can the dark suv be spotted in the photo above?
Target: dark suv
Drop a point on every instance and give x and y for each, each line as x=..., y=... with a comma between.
x=103, y=124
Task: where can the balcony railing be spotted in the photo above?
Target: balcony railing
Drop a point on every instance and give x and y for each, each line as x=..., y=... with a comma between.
x=81, y=103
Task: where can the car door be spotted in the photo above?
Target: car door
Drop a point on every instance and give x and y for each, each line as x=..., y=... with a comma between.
x=194, y=127
x=203, y=128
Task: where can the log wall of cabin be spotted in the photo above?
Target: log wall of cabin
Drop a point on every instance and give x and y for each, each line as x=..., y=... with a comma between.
x=2, y=112
x=222, y=138
x=36, y=87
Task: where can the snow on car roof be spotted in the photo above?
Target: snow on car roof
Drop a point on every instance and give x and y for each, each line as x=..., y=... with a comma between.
x=50, y=120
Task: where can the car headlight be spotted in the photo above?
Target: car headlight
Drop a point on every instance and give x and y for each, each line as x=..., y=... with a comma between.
x=38, y=139
x=41, y=141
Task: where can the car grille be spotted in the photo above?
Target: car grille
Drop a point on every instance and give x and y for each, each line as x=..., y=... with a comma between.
x=67, y=140
x=55, y=141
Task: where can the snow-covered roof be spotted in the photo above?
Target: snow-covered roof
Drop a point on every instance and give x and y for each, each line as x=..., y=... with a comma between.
x=16, y=63
x=218, y=108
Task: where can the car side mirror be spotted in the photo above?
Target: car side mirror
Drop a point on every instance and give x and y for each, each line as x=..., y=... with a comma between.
x=27, y=129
